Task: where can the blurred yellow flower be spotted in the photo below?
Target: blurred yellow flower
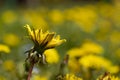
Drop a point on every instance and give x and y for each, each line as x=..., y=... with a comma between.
x=94, y=61
x=76, y=52
x=113, y=69
x=11, y=39
x=85, y=49
x=91, y=47
x=97, y=62
x=4, y=48
x=51, y=56
x=56, y=16
x=42, y=40
x=9, y=17
x=9, y=65
x=74, y=55
x=37, y=77
x=2, y=78
x=71, y=77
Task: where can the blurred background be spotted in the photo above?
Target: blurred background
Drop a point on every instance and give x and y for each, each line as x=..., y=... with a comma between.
x=91, y=28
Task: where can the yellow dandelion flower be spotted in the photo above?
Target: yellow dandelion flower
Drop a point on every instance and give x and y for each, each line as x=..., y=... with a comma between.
x=9, y=65
x=74, y=55
x=71, y=77
x=51, y=56
x=91, y=47
x=76, y=52
x=42, y=40
x=85, y=49
x=94, y=61
x=97, y=62
x=11, y=39
x=113, y=69
x=4, y=48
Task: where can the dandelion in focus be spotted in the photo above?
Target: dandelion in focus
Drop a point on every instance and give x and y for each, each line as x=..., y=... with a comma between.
x=42, y=41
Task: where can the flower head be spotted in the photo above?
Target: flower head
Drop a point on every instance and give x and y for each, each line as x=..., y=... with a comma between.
x=44, y=40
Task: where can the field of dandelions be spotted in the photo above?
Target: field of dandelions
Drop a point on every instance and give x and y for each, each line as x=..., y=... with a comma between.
x=90, y=50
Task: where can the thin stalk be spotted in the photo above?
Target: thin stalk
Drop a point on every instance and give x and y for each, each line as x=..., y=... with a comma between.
x=30, y=71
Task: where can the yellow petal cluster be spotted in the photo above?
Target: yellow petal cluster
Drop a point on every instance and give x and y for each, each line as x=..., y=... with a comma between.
x=44, y=40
